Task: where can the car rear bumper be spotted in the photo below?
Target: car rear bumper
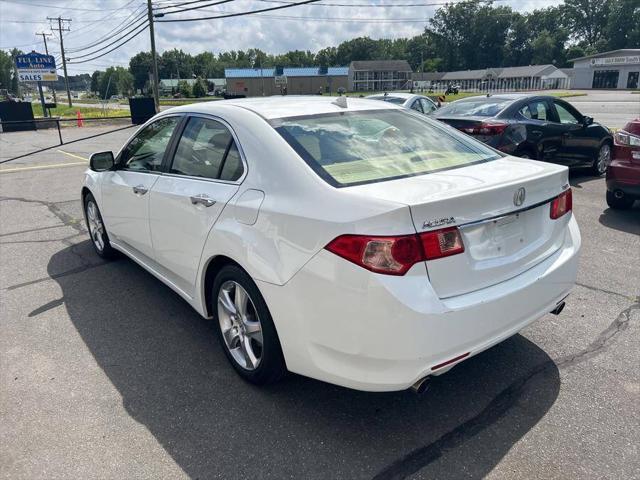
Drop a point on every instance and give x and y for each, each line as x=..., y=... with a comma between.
x=339, y=323
x=624, y=174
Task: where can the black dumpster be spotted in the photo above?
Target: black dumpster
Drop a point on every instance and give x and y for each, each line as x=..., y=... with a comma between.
x=16, y=112
x=142, y=109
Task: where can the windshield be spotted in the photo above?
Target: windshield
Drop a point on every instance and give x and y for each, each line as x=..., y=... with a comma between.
x=351, y=148
x=387, y=98
x=481, y=107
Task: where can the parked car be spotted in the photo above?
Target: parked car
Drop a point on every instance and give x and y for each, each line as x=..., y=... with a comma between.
x=419, y=103
x=533, y=126
x=344, y=239
x=623, y=174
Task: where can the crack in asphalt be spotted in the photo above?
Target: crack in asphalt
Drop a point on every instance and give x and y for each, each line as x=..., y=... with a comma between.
x=63, y=240
x=602, y=290
x=499, y=406
x=29, y=230
x=73, y=271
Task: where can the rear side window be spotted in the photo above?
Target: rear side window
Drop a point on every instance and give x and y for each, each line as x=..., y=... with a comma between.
x=145, y=152
x=482, y=107
x=201, y=149
x=565, y=115
x=351, y=148
x=207, y=149
x=538, y=110
x=387, y=98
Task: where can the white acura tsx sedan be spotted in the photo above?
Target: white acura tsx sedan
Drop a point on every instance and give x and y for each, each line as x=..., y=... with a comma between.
x=348, y=240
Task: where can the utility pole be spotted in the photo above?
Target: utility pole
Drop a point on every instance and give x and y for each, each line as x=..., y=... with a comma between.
x=154, y=60
x=64, y=60
x=46, y=49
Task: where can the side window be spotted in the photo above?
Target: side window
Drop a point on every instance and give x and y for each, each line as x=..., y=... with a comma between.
x=427, y=106
x=565, y=115
x=536, y=111
x=233, y=168
x=145, y=152
x=417, y=106
x=201, y=148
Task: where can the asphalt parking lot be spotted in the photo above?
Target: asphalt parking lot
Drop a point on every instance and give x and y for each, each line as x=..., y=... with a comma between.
x=106, y=373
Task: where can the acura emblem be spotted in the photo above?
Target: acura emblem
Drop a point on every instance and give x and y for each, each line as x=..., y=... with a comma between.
x=518, y=197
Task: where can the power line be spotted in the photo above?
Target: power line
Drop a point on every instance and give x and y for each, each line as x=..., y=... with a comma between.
x=109, y=51
x=114, y=31
x=142, y=25
x=23, y=3
x=380, y=5
x=219, y=2
x=133, y=25
x=238, y=14
x=181, y=4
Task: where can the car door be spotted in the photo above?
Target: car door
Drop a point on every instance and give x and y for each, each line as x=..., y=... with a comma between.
x=543, y=135
x=125, y=190
x=577, y=145
x=428, y=106
x=201, y=176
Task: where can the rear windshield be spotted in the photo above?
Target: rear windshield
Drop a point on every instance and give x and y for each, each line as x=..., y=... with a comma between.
x=352, y=148
x=396, y=100
x=482, y=107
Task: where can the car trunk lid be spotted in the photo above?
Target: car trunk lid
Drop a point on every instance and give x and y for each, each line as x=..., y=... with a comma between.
x=502, y=237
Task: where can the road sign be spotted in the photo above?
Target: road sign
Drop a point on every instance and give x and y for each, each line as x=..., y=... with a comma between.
x=36, y=67
x=281, y=80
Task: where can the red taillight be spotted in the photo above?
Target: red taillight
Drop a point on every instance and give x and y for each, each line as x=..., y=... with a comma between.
x=562, y=204
x=487, y=128
x=396, y=255
x=442, y=243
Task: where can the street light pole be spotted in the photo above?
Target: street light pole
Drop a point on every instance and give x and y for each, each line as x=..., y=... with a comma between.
x=154, y=60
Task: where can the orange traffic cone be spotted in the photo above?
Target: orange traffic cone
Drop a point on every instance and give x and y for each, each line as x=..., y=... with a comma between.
x=79, y=116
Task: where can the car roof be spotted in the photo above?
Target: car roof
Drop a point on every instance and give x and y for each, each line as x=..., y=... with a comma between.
x=393, y=94
x=288, y=106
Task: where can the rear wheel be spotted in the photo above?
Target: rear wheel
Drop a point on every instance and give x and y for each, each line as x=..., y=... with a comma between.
x=602, y=161
x=245, y=328
x=525, y=154
x=97, y=231
x=619, y=201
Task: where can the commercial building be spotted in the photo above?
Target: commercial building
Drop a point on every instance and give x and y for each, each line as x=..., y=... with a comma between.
x=379, y=75
x=254, y=82
x=531, y=77
x=617, y=69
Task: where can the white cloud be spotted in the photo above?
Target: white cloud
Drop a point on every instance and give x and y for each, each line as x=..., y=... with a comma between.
x=271, y=32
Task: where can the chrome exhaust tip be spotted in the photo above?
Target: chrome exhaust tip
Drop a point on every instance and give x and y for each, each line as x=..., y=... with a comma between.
x=558, y=309
x=421, y=386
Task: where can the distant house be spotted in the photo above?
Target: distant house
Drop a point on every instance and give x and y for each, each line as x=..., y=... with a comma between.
x=254, y=82
x=379, y=75
x=510, y=78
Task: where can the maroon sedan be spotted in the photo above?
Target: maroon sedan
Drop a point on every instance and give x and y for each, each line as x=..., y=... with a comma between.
x=623, y=174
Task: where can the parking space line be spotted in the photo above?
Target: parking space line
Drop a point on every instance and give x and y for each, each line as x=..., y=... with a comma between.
x=55, y=165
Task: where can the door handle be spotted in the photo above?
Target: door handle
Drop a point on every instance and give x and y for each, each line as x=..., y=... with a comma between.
x=202, y=199
x=140, y=190
x=536, y=133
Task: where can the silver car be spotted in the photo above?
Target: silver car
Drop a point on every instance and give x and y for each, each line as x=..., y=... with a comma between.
x=420, y=103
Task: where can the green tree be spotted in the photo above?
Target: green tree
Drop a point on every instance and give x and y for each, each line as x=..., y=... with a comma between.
x=6, y=70
x=95, y=81
x=184, y=88
x=587, y=19
x=623, y=25
x=125, y=81
x=140, y=66
x=199, y=88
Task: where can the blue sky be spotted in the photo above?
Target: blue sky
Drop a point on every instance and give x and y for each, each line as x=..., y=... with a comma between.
x=312, y=28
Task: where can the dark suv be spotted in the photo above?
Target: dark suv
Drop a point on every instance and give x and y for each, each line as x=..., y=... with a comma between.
x=532, y=126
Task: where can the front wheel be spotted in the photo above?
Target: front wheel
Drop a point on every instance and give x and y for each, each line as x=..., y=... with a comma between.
x=602, y=161
x=245, y=328
x=97, y=231
x=619, y=202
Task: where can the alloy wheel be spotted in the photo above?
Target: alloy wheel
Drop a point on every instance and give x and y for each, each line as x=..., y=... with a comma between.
x=604, y=156
x=240, y=325
x=96, y=228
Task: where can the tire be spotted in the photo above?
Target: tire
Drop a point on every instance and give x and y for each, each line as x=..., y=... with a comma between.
x=623, y=203
x=526, y=154
x=601, y=162
x=97, y=230
x=242, y=323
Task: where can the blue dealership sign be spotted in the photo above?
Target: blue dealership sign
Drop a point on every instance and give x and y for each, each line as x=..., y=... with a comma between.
x=34, y=67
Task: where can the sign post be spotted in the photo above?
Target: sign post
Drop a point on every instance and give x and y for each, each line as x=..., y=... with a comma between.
x=37, y=67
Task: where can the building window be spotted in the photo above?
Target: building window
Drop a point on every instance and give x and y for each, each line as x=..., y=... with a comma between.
x=632, y=79
x=605, y=79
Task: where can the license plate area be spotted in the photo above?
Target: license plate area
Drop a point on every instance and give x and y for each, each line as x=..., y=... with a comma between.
x=496, y=238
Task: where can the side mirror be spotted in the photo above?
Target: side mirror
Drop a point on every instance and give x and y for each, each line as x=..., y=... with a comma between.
x=586, y=121
x=101, y=161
